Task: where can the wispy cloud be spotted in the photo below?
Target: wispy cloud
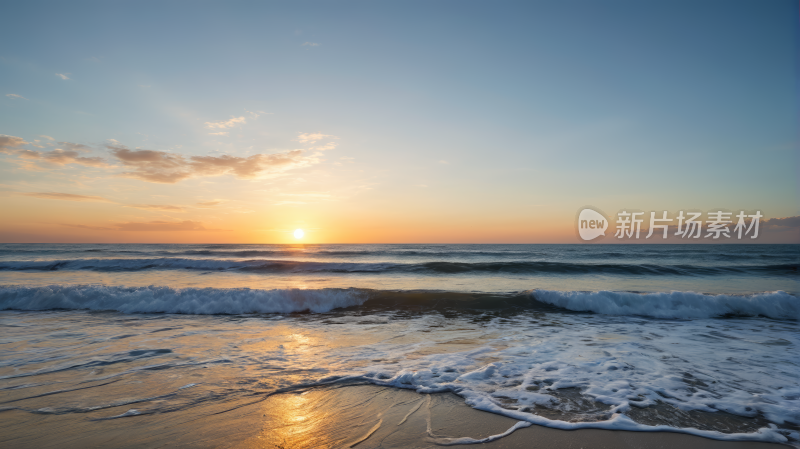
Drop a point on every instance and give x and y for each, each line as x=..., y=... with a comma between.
x=61, y=157
x=148, y=226
x=66, y=196
x=312, y=137
x=209, y=203
x=73, y=197
x=782, y=223
x=10, y=143
x=234, y=121
x=221, y=133
x=158, y=166
x=13, y=96
x=63, y=76
x=309, y=44
x=169, y=168
x=327, y=146
x=257, y=114
x=47, y=137
x=58, y=156
x=159, y=207
x=93, y=228
x=75, y=146
x=186, y=225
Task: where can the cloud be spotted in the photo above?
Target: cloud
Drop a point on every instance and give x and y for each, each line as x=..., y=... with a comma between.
x=62, y=157
x=73, y=197
x=93, y=228
x=163, y=167
x=47, y=137
x=257, y=114
x=221, y=133
x=309, y=44
x=312, y=137
x=13, y=96
x=75, y=146
x=63, y=76
x=209, y=203
x=227, y=123
x=327, y=146
x=781, y=223
x=9, y=143
x=161, y=207
x=159, y=166
x=148, y=226
x=186, y=225
x=65, y=196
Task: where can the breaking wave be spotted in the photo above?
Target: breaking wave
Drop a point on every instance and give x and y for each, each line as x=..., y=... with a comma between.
x=681, y=305
x=233, y=301
x=198, y=301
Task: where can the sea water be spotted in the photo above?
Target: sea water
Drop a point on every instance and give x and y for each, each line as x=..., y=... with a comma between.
x=701, y=339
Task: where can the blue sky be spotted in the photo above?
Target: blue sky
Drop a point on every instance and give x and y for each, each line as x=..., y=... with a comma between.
x=435, y=114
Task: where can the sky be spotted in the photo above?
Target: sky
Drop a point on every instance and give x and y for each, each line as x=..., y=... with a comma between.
x=391, y=122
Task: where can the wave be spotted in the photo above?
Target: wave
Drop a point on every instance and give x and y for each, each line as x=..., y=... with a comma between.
x=234, y=301
x=433, y=268
x=631, y=253
x=198, y=301
x=680, y=305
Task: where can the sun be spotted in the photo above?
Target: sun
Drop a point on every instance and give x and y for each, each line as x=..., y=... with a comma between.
x=298, y=234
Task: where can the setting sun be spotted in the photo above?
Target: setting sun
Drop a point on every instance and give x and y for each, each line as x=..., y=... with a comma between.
x=298, y=233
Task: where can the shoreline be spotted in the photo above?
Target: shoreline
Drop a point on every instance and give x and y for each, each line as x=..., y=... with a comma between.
x=345, y=416
x=367, y=416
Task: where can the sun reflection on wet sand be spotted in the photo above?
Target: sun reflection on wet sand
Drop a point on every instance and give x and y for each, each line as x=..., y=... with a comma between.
x=295, y=421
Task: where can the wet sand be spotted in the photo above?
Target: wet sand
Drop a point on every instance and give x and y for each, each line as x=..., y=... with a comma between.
x=362, y=416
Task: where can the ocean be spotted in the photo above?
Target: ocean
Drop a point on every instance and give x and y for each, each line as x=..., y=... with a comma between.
x=700, y=339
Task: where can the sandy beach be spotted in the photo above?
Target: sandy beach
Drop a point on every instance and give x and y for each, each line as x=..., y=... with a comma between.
x=362, y=416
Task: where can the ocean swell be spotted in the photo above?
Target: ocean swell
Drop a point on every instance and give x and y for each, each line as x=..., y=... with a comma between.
x=426, y=268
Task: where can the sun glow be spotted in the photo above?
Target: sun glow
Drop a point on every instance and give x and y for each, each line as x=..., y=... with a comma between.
x=298, y=234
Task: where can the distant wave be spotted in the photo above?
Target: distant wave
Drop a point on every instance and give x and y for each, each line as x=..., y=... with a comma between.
x=280, y=266
x=234, y=301
x=677, y=254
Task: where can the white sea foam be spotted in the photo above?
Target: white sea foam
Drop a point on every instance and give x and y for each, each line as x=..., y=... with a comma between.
x=680, y=305
x=621, y=365
x=201, y=301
